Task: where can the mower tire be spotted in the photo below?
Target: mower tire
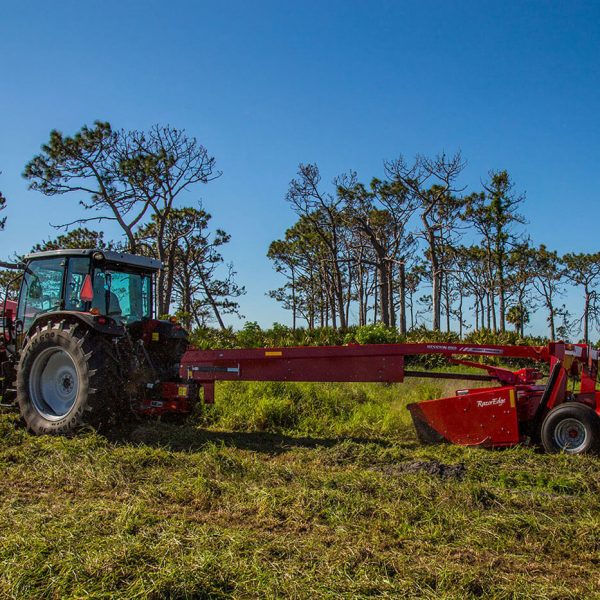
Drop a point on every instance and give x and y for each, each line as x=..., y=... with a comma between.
x=573, y=428
x=65, y=380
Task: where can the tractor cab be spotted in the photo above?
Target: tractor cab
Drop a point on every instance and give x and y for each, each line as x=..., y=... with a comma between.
x=104, y=283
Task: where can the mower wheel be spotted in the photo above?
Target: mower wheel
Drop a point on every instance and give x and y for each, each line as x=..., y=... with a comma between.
x=573, y=428
x=64, y=380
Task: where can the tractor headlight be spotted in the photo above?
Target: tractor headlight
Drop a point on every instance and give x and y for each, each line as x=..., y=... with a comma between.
x=98, y=256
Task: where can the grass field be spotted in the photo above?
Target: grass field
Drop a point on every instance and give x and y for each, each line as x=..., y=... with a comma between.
x=293, y=491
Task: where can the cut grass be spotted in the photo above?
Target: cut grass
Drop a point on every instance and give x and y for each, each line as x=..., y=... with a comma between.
x=293, y=491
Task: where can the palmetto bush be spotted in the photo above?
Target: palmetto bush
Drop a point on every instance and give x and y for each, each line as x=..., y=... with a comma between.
x=253, y=336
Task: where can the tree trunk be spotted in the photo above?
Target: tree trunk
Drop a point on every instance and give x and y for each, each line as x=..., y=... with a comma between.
x=376, y=298
x=447, y=302
x=501, y=307
x=482, y=311
x=391, y=310
x=211, y=301
x=293, y=299
x=382, y=275
x=435, y=279
x=501, y=291
x=550, y=306
x=338, y=301
x=586, y=316
x=168, y=292
x=160, y=286
x=348, y=295
x=361, y=298
x=436, y=305
x=460, y=317
x=402, y=293
x=332, y=308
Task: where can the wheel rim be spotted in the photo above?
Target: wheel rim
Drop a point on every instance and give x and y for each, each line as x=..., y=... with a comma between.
x=53, y=383
x=570, y=435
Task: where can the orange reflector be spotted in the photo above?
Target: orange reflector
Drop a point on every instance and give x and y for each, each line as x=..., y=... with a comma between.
x=273, y=353
x=87, y=290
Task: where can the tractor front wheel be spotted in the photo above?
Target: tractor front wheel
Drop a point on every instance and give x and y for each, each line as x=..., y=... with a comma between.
x=63, y=380
x=573, y=428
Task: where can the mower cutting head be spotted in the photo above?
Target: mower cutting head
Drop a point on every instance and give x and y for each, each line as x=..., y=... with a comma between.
x=479, y=417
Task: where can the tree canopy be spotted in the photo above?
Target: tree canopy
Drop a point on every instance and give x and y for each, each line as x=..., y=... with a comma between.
x=412, y=243
x=408, y=248
x=138, y=179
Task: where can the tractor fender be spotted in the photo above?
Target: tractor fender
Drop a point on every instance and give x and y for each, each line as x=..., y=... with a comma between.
x=99, y=323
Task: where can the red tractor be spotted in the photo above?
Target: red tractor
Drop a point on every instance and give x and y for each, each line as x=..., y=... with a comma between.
x=82, y=347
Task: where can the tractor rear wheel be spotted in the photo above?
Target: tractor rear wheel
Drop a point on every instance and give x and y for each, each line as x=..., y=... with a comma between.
x=64, y=379
x=573, y=428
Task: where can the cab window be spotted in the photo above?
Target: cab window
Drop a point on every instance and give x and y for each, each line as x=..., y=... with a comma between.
x=76, y=273
x=126, y=293
x=41, y=290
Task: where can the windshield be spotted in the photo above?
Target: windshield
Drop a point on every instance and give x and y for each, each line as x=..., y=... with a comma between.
x=126, y=295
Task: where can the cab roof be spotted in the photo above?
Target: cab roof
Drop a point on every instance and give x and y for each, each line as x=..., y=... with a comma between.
x=131, y=260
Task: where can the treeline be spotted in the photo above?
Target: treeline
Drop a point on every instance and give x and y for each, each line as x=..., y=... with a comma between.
x=412, y=249
x=138, y=179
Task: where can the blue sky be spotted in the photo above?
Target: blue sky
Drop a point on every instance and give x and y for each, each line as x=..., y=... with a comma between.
x=346, y=84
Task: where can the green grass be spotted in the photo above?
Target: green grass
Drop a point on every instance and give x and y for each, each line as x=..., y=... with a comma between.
x=293, y=491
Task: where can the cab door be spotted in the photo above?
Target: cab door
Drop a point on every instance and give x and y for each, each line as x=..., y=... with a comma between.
x=42, y=290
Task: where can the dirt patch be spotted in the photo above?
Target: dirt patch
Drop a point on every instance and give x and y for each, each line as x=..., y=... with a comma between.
x=431, y=467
